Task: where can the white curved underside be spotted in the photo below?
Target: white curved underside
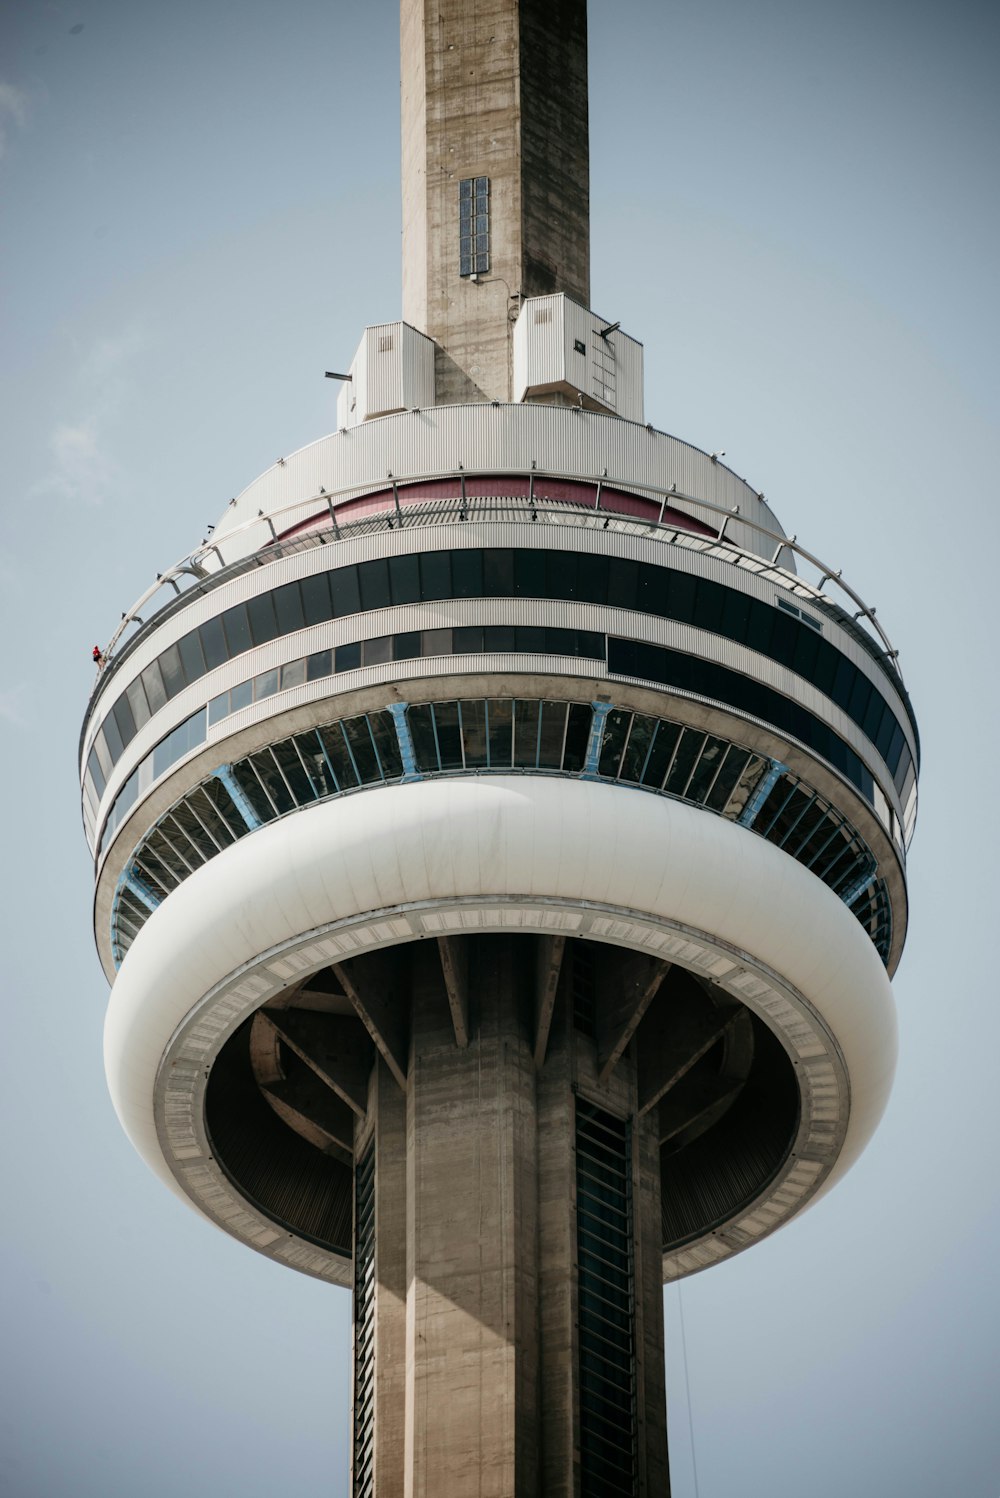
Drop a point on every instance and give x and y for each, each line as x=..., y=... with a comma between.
x=494, y=844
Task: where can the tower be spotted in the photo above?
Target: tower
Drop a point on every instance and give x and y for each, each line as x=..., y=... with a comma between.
x=500, y=842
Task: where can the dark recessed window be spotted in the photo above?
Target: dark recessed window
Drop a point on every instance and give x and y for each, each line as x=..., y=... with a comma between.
x=473, y=226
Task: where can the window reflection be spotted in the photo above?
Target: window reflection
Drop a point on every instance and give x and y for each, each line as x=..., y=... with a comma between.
x=783, y=632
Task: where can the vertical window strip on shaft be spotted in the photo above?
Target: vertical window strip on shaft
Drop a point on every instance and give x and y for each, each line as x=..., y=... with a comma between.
x=473, y=226
x=605, y=1305
x=364, y=1325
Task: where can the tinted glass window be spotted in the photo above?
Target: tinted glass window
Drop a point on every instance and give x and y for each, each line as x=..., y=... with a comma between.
x=651, y=595
x=348, y=657
x=530, y=638
x=123, y=717
x=806, y=650
x=152, y=683
x=320, y=664
x=288, y=607
x=473, y=715
x=373, y=579
x=708, y=603
x=96, y=773
x=860, y=696
x=758, y=635
x=240, y=696
x=234, y=622
x=825, y=666
x=498, y=573
x=529, y=574
x=137, y=702
x=783, y=633
x=577, y=736
x=113, y=738
x=449, y=738
x=337, y=756
x=592, y=578
x=344, y=591
x=404, y=579
x=174, y=679
x=192, y=656
x=467, y=573
x=383, y=732
x=467, y=640
x=873, y=715
x=435, y=642
x=735, y=622
x=435, y=575
x=681, y=595
x=623, y=583
x=293, y=674
x=499, y=637
x=263, y=624
x=501, y=733
x=560, y=574
x=406, y=647
x=377, y=652
x=316, y=604
x=360, y=739
x=213, y=643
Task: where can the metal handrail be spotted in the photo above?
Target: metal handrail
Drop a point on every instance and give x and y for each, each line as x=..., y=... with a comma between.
x=191, y=565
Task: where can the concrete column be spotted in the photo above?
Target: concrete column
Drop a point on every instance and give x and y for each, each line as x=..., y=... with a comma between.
x=497, y=89
x=477, y=1342
x=472, y=1341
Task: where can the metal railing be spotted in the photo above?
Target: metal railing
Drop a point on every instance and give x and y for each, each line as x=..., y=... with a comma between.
x=466, y=505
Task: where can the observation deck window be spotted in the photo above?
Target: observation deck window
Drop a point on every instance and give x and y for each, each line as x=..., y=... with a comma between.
x=502, y=734
x=501, y=572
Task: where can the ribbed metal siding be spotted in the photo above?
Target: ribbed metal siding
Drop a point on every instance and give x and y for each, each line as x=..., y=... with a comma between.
x=501, y=438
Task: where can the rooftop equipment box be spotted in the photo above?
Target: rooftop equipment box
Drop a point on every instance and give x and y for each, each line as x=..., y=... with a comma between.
x=563, y=349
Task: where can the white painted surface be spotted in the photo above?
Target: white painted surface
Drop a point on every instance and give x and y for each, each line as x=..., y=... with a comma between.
x=393, y=370
x=558, y=343
x=485, y=854
x=494, y=439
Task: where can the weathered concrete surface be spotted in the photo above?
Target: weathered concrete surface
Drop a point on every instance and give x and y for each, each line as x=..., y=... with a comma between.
x=496, y=89
x=477, y=1353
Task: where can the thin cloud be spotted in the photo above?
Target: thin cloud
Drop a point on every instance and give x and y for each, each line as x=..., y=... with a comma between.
x=13, y=113
x=82, y=467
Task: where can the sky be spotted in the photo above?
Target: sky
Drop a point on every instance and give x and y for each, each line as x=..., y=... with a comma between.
x=794, y=207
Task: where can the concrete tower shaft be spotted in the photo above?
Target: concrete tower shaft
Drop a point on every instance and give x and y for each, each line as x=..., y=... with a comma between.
x=493, y=94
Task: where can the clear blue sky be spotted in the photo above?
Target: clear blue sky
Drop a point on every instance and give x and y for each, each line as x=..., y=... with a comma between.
x=794, y=207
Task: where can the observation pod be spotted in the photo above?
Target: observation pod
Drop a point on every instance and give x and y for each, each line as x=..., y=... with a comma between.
x=500, y=861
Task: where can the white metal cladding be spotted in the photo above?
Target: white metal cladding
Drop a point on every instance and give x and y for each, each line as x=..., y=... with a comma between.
x=453, y=536
x=497, y=854
x=500, y=439
x=393, y=370
x=560, y=344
